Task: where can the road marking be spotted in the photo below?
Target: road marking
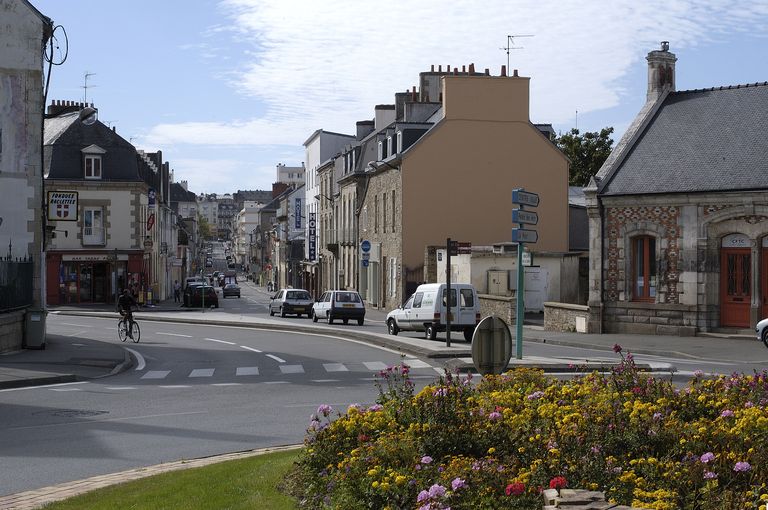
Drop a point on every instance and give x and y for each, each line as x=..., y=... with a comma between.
x=140, y=363
x=156, y=374
x=46, y=386
x=375, y=365
x=202, y=372
x=79, y=345
x=279, y=360
x=292, y=369
x=76, y=333
x=66, y=389
x=417, y=363
x=324, y=380
x=219, y=341
x=174, y=386
x=76, y=325
x=174, y=334
x=227, y=384
x=250, y=348
x=335, y=367
x=94, y=420
x=276, y=382
x=247, y=371
x=120, y=388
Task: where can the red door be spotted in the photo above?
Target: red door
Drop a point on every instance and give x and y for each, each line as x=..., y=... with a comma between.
x=735, y=287
x=764, y=284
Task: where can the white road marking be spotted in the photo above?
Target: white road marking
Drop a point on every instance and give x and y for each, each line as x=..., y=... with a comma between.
x=79, y=345
x=173, y=386
x=279, y=360
x=277, y=382
x=156, y=374
x=335, y=367
x=250, y=348
x=247, y=371
x=375, y=365
x=219, y=341
x=417, y=363
x=120, y=387
x=292, y=369
x=76, y=325
x=44, y=386
x=202, y=372
x=227, y=384
x=66, y=389
x=140, y=363
x=324, y=380
x=174, y=334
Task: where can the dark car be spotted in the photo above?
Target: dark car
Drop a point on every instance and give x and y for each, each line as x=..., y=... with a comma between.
x=193, y=296
x=231, y=289
x=339, y=304
x=291, y=302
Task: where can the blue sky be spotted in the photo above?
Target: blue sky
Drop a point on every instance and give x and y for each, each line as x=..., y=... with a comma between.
x=227, y=89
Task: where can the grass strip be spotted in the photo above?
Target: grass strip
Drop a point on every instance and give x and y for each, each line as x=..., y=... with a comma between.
x=238, y=484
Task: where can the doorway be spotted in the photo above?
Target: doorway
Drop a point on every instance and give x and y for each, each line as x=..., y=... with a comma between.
x=764, y=279
x=735, y=287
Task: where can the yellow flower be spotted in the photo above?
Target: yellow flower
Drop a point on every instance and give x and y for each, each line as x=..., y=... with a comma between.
x=491, y=450
x=375, y=484
x=400, y=480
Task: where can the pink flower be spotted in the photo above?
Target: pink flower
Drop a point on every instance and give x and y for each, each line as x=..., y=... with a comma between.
x=558, y=482
x=616, y=348
x=709, y=475
x=494, y=416
x=457, y=484
x=742, y=467
x=707, y=457
x=426, y=459
x=514, y=489
x=727, y=413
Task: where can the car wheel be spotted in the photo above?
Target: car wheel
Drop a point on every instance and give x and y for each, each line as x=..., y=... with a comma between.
x=392, y=328
x=329, y=318
x=430, y=332
x=313, y=315
x=360, y=322
x=468, y=332
x=271, y=311
x=765, y=336
x=282, y=312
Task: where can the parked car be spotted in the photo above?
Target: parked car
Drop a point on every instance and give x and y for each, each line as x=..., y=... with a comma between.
x=339, y=304
x=193, y=296
x=230, y=289
x=762, y=331
x=291, y=302
x=426, y=311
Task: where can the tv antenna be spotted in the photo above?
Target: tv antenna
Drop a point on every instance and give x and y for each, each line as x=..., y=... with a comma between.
x=511, y=46
x=85, y=85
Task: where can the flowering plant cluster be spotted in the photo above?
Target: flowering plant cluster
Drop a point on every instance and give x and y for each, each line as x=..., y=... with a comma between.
x=501, y=442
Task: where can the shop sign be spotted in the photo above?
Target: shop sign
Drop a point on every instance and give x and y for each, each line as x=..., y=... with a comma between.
x=312, y=237
x=297, y=212
x=62, y=206
x=151, y=197
x=150, y=221
x=92, y=257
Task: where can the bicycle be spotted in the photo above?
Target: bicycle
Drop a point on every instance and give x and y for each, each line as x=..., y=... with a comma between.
x=124, y=334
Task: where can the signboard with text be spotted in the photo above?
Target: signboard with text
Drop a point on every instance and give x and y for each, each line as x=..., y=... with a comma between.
x=297, y=212
x=312, y=237
x=62, y=205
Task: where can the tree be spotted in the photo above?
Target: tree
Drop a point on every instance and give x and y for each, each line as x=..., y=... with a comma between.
x=587, y=153
x=203, y=227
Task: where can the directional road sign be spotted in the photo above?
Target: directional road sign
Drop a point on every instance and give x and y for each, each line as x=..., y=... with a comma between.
x=521, y=235
x=365, y=246
x=525, y=198
x=520, y=217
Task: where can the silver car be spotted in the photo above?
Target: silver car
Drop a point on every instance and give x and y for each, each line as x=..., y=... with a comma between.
x=291, y=302
x=762, y=331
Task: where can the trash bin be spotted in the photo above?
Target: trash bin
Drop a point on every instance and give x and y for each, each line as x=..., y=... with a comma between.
x=34, y=328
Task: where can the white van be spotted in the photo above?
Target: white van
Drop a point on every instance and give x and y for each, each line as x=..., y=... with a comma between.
x=426, y=310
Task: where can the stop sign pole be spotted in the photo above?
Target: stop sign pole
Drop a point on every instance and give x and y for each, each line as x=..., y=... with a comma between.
x=521, y=236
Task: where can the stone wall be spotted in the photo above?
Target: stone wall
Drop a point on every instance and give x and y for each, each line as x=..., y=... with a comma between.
x=649, y=319
x=500, y=306
x=565, y=317
x=11, y=331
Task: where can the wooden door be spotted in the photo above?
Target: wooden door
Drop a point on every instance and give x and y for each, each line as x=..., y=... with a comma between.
x=735, y=287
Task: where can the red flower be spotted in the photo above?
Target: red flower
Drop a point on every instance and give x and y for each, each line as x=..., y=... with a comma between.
x=558, y=482
x=515, y=489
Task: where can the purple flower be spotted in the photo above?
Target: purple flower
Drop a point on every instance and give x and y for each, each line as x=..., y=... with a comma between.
x=423, y=495
x=698, y=373
x=426, y=459
x=707, y=457
x=376, y=407
x=457, y=484
x=709, y=475
x=324, y=409
x=616, y=348
x=436, y=491
x=535, y=395
x=656, y=416
x=494, y=416
x=727, y=413
x=742, y=467
x=440, y=392
x=595, y=449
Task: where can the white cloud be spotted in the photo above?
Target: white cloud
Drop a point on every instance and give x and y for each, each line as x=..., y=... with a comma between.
x=326, y=64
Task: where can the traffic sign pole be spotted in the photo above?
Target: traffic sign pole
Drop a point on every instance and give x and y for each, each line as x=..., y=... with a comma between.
x=448, y=249
x=520, y=313
x=521, y=236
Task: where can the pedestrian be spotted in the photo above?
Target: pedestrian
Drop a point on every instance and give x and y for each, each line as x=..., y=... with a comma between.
x=176, y=291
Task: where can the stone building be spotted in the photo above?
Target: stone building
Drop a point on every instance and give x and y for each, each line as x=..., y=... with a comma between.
x=679, y=212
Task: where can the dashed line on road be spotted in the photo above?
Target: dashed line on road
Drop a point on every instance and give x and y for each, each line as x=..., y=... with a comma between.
x=247, y=371
x=250, y=348
x=156, y=374
x=325, y=380
x=227, y=384
x=202, y=372
x=43, y=386
x=120, y=388
x=279, y=360
x=219, y=341
x=291, y=369
x=174, y=386
x=174, y=334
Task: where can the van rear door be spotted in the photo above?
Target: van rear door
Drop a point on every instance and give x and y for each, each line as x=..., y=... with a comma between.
x=467, y=306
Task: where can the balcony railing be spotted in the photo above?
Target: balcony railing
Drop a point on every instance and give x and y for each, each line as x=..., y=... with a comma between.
x=93, y=236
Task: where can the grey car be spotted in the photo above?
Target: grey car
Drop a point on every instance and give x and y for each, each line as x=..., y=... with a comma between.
x=291, y=302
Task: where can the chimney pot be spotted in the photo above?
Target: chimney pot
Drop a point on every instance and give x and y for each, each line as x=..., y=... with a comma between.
x=464, y=68
x=433, y=68
x=472, y=68
x=515, y=73
x=487, y=72
x=440, y=68
x=503, y=70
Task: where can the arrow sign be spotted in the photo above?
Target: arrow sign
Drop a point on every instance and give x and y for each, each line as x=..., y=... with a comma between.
x=520, y=235
x=520, y=217
x=525, y=198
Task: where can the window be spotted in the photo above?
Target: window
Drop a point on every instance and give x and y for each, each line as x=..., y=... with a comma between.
x=92, y=166
x=93, y=231
x=399, y=141
x=384, y=215
x=392, y=277
x=644, y=268
x=375, y=214
x=391, y=147
x=393, y=210
x=417, y=299
x=467, y=298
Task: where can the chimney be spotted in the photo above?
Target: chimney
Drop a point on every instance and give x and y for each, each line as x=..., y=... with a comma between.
x=278, y=188
x=503, y=70
x=661, y=71
x=185, y=185
x=471, y=68
x=514, y=73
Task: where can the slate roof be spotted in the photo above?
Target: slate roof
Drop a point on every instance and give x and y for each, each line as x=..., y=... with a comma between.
x=699, y=140
x=179, y=194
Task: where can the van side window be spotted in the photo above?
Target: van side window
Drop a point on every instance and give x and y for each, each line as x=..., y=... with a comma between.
x=417, y=299
x=467, y=298
x=408, y=303
x=453, y=297
x=328, y=296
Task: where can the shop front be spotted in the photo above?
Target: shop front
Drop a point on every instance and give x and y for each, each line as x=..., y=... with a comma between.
x=97, y=277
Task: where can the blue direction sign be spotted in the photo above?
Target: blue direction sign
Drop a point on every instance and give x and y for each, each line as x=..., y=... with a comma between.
x=521, y=235
x=365, y=246
x=525, y=197
x=365, y=262
x=520, y=217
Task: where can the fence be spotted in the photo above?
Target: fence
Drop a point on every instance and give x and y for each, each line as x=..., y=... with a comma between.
x=16, y=284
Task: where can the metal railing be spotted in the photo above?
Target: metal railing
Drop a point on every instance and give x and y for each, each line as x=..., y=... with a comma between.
x=16, y=284
x=93, y=236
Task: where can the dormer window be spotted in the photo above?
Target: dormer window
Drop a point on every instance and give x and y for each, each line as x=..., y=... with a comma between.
x=399, y=142
x=390, y=146
x=92, y=162
x=381, y=151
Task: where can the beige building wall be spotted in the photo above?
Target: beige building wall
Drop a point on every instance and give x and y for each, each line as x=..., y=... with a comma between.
x=457, y=181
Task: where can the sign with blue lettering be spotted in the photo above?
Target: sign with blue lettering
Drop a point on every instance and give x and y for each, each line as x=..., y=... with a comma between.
x=520, y=217
x=520, y=235
x=525, y=197
x=297, y=211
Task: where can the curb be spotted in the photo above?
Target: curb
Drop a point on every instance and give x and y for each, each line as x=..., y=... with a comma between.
x=38, y=381
x=30, y=500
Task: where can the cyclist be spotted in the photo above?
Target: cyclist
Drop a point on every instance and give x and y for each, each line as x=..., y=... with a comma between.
x=125, y=306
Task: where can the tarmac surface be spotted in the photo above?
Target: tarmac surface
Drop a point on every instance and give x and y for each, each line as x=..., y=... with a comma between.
x=58, y=362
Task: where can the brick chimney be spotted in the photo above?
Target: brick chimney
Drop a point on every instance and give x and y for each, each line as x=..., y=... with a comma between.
x=59, y=107
x=278, y=188
x=661, y=71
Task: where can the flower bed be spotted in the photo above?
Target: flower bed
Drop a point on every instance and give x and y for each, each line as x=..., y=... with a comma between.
x=501, y=442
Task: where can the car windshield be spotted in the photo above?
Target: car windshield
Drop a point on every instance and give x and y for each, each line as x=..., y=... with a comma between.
x=347, y=297
x=297, y=294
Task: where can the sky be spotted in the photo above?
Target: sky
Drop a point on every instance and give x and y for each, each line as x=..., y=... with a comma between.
x=228, y=89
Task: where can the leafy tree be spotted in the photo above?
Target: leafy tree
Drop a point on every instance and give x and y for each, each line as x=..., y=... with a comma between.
x=203, y=227
x=587, y=153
